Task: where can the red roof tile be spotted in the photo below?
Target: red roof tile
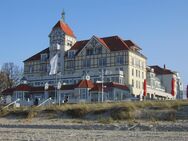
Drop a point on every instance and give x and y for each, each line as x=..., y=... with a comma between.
x=37, y=56
x=131, y=44
x=102, y=42
x=8, y=91
x=79, y=45
x=117, y=85
x=98, y=87
x=107, y=86
x=23, y=87
x=26, y=87
x=113, y=43
x=60, y=24
x=161, y=71
x=85, y=84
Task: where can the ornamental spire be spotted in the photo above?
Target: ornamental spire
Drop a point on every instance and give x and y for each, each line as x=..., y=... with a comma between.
x=63, y=16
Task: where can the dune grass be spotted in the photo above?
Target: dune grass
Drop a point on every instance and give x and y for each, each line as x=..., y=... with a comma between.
x=114, y=111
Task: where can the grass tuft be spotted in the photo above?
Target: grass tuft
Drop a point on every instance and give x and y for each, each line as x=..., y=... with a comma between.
x=151, y=110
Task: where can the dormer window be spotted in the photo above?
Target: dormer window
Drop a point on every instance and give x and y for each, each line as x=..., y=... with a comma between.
x=44, y=57
x=69, y=43
x=89, y=51
x=71, y=54
x=98, y=50
x=92, y=51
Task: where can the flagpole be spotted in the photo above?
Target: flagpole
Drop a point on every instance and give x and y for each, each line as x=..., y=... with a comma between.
x=56, y=88
x=54, y=69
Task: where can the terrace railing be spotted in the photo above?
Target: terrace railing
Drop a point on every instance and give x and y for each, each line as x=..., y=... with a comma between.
x=14, y=102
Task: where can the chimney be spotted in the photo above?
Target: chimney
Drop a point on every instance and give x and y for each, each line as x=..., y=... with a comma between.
x=164, y=67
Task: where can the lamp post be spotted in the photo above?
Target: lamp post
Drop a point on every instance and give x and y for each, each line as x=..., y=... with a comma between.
x=46, y=89
x=102, y=78
x=59, y=88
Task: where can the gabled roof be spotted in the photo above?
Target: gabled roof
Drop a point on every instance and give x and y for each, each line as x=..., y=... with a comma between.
x=63, y=26
x=79, y=45
x=37, y=56
x=161, y=71
x=113, y=43
x=85, y=84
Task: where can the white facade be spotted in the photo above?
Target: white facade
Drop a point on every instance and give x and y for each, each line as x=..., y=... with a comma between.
x=159, y=84
x=120, y=61
x=117, y=61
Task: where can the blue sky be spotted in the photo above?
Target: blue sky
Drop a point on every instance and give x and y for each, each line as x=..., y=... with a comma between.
x=159, y=27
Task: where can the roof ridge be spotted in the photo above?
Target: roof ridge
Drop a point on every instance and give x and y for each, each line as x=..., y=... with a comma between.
x=101, y=41
x=65, y=27
x=44, y=50
x=123, y=42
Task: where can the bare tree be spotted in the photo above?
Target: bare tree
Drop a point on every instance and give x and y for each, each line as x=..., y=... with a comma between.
x=3, y=81
x=10, y=75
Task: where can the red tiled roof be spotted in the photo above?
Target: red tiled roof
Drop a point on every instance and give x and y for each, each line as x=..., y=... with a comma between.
x=102, y=42
x=113, y=43
x=8, y=91
x=37, y=56
x=85, y=84
x=98, y=87
x=79, y=45
x=23, y=87
x=161, y=71
x=26, y=87
x=107, y=86
x=116, y=85
x=81, y=84
x=60, y=24
x=68, y=87
x=130, y=44
x=51, y=88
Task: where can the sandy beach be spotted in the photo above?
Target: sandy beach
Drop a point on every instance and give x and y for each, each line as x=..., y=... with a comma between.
x=78, y=130
x=88, y=135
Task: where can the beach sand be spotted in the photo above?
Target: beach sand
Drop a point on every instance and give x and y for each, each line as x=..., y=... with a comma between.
x=77, y=130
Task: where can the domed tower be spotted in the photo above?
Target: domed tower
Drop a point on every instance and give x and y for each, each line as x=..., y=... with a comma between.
x=61, y=39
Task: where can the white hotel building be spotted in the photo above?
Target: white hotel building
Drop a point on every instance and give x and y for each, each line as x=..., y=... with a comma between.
x=118, y=62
